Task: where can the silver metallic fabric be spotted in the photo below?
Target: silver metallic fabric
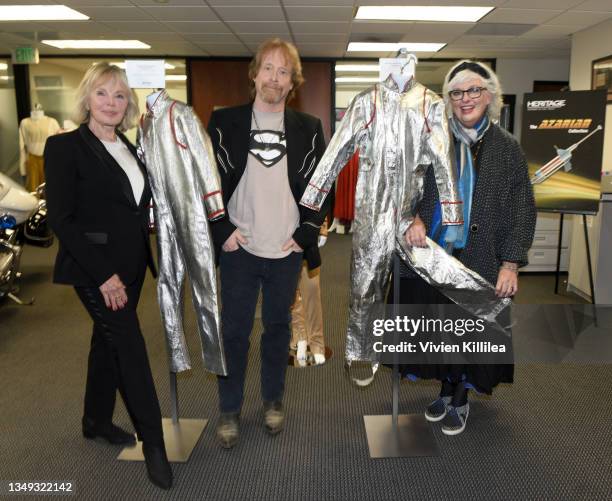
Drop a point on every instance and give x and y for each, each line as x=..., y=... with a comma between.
x=187, y=194
x=456, y=281
x=399, y=136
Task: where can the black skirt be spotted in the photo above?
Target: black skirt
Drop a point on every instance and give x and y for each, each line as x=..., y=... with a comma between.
x=482, y=377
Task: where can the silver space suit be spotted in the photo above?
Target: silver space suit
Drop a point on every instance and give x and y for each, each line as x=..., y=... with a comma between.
x=459, y=283
x=187, y=194
x=399, y=135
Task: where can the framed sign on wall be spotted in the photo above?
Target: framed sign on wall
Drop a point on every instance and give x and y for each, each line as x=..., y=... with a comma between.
x=601, y=75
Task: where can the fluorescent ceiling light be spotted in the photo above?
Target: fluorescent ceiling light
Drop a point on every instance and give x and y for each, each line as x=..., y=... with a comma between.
x=40, y=13
x=422, y=13
x=97, y=44
x=393, y=47
x=121, y=64
x=356, y=80
x=374, y=68
x=3, y=66
x=6, y=78
x=176, y=78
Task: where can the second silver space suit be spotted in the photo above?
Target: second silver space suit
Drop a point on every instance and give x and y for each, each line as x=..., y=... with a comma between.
x=187, y=194
x=399, y=136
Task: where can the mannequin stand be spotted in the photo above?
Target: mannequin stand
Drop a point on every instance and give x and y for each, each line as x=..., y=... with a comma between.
x=180, y=435
x=396, y=436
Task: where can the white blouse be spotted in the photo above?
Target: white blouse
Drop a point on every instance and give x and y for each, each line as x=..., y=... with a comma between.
x=128, y=163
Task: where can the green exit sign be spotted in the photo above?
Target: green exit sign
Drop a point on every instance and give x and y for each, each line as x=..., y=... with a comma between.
x=25, y=55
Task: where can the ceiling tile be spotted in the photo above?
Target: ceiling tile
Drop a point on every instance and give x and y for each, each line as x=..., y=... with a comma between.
x=169, y=3
x=248, y=14
x=381, y=27
x=202, y=27
x=245, y=3
x=226, y=50
x=308, y=3
x=74, y=26
x=215, y=38
x=272, y=28
x=484, y=3
x=193, y=13
x=579, y=18
x=157, y=37
x=437, y=32
x=319, y=27
x=549, y=31
x=521, y=16
x=320, y=37
x=76, y=4
x=319, y=13
x=139, y=26
x=542, y=4
x=25, y=26
x=26, y=2
x=115, y=13
x=475, y=41
x=596, y=5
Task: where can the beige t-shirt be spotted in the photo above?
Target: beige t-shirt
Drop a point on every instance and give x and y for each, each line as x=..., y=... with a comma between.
x=262, y=207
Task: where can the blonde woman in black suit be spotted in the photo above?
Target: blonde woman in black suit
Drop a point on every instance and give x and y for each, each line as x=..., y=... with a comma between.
x=97, y=198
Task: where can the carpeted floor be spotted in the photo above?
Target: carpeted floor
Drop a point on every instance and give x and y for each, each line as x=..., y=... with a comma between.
x=545, y=437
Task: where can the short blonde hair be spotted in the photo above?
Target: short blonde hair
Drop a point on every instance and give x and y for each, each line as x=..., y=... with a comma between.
x=104, y=71
x=291, y=56
x=465, y=70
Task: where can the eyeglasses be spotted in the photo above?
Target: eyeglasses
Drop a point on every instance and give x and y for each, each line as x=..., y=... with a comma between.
x=473, y=92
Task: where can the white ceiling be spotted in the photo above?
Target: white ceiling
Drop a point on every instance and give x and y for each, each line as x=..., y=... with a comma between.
x=319, y=28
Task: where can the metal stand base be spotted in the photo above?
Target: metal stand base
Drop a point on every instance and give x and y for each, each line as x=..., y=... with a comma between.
x=180, y=439
x=411, y=437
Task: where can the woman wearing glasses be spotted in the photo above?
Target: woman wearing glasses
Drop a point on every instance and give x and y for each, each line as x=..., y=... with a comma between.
x=499, y=222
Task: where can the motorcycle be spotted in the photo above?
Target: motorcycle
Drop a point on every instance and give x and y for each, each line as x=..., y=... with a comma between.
x=16, y=206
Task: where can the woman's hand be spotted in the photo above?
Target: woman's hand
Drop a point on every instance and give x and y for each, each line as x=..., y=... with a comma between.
x=507, y=280
x=231, y=244
x=416, y=233
x=114, y=293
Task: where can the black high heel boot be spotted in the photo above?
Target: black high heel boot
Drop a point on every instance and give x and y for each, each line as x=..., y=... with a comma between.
x=158, y=467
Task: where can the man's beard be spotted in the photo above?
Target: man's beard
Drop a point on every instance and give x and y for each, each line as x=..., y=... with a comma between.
x=271, y=95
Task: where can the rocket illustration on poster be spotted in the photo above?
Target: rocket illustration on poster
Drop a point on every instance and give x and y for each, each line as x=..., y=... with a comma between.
x=562, y=137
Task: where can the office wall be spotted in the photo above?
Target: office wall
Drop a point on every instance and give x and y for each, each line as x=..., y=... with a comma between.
x=209, y=90
x=588, y=45
x=517, y=77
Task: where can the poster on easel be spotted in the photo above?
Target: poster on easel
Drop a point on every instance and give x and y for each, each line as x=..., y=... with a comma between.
x=562, y=136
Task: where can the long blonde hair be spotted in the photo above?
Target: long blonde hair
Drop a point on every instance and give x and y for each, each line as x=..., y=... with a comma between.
x=104, y=71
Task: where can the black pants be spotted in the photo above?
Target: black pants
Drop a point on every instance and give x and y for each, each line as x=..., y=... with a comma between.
x=118, y=361
x=242, y=277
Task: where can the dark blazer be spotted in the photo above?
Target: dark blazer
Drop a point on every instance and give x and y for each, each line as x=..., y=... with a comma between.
x=229, y=130
x=101, y=228
x=503, y=216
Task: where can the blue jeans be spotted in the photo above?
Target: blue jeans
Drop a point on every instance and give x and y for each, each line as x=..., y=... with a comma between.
x=242, y=276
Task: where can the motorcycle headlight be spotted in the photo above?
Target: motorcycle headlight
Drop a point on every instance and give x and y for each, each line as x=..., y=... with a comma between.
x=7, y=222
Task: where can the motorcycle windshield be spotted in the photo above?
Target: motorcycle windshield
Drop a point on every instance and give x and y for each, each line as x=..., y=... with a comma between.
x=4, y=188
x=6, y=183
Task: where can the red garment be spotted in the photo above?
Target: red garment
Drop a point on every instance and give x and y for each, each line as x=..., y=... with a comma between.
x=344, y=207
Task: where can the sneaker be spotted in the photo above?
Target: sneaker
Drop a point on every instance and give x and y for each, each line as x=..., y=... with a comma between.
x=274, y=417
x=455, y=420
x=436, y=411
x=228, y=429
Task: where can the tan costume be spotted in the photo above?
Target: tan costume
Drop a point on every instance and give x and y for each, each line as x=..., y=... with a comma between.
x=33, y=134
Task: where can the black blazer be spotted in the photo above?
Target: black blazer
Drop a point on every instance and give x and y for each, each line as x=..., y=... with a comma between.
x=101, y=228
x=229, y=130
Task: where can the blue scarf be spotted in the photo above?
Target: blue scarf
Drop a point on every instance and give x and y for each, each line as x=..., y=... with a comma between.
x=456, y=237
